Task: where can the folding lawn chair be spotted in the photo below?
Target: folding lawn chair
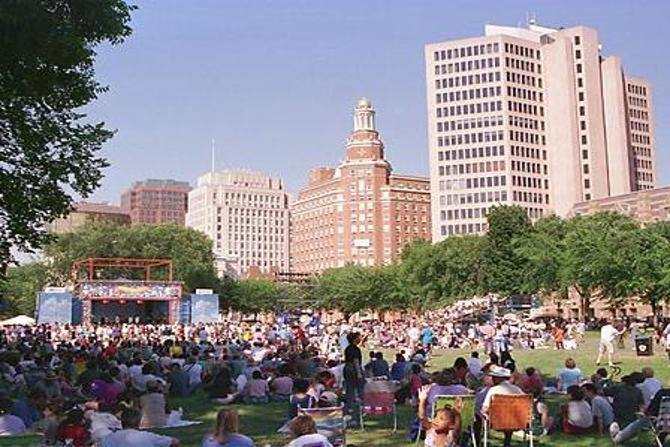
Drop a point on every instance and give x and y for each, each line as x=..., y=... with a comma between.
x=661, y=424
x=467, y=405
x=510, y=413
x=330, y=423
x=378, y=400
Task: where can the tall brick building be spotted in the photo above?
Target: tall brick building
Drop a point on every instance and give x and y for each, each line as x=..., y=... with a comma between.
x=359, y=212
x=156, y=201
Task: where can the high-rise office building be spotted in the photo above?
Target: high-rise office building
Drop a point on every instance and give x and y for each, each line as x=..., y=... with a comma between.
x=246, y=214
x=359, y=212
x=156, y=201
x=535, y=117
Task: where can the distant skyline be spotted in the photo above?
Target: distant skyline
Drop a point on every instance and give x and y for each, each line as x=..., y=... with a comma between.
x=275, y=83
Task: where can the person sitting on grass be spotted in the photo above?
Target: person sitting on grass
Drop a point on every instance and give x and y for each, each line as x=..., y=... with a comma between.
x=300, y=398
x=303, y=428
x=257, y=390
x=73, y=429
x=10, y=425
x=282, y=385
x=627, y=402
x=603, y=414
x=132, y=436
x=576, y=415
x=531, y=382
x=568, y=376
x=226, y=433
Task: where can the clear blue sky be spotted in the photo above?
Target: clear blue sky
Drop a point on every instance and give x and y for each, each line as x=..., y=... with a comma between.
x=274, y=82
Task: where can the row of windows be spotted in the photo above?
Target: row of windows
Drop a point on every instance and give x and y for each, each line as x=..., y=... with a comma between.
x=525, y=166
x=473, y=50
x=644, y=164
x=642, y=151
x=460, y=67
x=636, y=89
x=529, y=182
x=473, y=93
x=644, y=176
x=476, y=197
x=529, y=197
x=479, y=137
x=522, y=107
x=637, y=102
x=472, y=123
x=522, y=51
x=642, y=127
x=523, y=79
x=480, y=107
x=464, y=213
x=261, y=236
x=526, y=137
x=517, y=64
x=462, y=229
x=643, y=139
x=524, y=93
x=461, y=154
x=473, y=79
x=473, y=168
x=470, y=183
x=639, y=114
x=528, y=152
x=252, y=212
x=526, y=123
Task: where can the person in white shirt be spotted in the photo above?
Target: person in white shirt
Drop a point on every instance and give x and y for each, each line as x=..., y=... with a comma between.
x=577, y=414
x=304, y=429
x=194, y=371
x=608, y=333
x=500, y=377
x=132, y=436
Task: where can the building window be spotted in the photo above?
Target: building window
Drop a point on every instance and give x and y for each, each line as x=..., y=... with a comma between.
x=578, y=40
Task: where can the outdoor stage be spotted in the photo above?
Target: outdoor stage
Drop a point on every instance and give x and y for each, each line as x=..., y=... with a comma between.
x=151, y=296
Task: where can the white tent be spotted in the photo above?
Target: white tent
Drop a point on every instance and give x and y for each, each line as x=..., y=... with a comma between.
x=21, y=320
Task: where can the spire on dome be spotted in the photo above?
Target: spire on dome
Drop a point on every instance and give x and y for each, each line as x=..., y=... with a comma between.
x=364, y=115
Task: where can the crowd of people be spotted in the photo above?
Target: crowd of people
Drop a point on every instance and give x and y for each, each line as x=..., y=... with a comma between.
x=110, y=384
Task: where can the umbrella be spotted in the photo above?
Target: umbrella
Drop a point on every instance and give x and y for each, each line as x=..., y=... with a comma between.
x=21, y=320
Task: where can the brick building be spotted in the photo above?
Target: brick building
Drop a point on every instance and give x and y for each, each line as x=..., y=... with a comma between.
x=85, y=212
x=359, y=212
x=156, y=201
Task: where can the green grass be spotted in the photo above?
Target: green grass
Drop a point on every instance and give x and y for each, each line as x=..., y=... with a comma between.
x=261, y=422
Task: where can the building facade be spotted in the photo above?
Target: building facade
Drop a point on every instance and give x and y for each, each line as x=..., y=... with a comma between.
x=85, y=212
x=534, y=117
x=645, y=206
x=155, y=201
x=359, y=212
x=246, y=214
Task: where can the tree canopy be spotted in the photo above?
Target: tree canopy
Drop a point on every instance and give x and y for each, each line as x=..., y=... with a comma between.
x=48, y=147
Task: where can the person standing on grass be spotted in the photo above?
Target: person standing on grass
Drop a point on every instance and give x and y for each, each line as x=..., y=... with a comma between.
x=608, y=334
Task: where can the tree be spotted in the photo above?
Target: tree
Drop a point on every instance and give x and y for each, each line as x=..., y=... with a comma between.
x=649, y=266
x=542, y=251
x=20, y=288
x=191, y=250
x=254, y=295
x=48, y=150
x=502, y=266
x=593, y=259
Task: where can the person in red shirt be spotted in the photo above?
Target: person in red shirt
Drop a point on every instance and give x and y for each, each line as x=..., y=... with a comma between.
x=74, y=428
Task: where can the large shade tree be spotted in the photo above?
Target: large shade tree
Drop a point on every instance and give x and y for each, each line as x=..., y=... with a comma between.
x=48, y=147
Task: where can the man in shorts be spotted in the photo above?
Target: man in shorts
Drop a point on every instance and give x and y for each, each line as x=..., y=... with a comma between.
x=608, y=333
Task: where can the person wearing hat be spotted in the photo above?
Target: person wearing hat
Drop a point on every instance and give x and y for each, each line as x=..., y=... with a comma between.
x=501, y=386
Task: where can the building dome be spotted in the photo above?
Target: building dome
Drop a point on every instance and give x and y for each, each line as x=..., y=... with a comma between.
x=364, y=102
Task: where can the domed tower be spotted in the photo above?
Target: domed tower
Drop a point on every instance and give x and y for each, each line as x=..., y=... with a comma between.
x=364, y=142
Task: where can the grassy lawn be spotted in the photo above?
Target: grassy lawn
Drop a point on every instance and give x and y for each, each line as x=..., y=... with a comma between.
x=262, y=422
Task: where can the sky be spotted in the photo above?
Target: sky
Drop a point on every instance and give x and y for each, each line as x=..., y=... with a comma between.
x=274, y=82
